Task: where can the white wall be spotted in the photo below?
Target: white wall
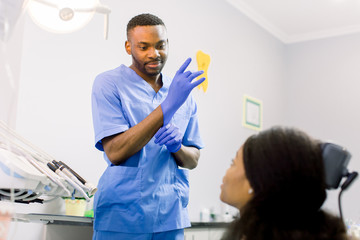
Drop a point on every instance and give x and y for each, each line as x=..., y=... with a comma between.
x=10, y=59
x=58, y=70
x=244, y=60
x=323, y=99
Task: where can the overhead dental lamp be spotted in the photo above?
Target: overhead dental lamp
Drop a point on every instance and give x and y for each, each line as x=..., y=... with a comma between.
x=66, y=16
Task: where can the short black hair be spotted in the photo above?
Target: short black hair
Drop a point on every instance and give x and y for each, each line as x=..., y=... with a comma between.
x=144, y=19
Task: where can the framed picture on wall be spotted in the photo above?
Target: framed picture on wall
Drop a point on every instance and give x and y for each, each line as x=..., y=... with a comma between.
x=252, y=113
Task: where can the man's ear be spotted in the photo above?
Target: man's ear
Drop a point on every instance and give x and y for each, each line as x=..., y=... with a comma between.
x=128, y=47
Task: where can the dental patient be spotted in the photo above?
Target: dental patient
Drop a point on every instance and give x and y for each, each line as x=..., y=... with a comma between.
x=277, y=181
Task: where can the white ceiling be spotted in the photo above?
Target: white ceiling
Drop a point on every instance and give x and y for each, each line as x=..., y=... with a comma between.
x=301, y=20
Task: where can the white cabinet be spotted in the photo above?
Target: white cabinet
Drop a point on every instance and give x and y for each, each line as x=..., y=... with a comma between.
x=216, y=233
x=203, y=233
x=196, y=234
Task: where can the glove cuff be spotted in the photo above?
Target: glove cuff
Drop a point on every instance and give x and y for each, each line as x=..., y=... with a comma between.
x=175, y=150
x=167, y=112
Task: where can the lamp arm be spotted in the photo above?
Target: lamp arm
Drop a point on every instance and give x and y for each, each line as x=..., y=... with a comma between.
x=47, y=3
x=106, y=26
x=99, y=9
x=102, y=9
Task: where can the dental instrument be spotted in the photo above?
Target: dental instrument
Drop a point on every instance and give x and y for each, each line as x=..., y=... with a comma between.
x=73, y=183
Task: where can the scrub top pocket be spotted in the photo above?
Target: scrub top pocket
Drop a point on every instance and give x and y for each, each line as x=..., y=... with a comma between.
x=182, y=186
x=121, y=188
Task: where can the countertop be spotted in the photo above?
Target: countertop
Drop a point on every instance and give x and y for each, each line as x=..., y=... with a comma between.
x=88, y=221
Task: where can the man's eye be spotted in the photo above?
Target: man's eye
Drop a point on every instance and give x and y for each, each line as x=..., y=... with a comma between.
x=161, y=46
x=143, y=48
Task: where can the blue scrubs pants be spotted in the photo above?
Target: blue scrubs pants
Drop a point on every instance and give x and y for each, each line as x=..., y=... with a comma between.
x=169, y=235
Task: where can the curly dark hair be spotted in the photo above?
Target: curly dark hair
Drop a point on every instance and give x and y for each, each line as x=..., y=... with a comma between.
x=285, y=169
x=144, y=19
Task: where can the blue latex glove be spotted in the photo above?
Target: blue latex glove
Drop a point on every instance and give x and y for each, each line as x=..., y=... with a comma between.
x=170, y=136
x=179, y=90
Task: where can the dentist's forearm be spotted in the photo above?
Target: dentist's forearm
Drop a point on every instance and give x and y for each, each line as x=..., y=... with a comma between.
x=187, y=157
x=120, y=147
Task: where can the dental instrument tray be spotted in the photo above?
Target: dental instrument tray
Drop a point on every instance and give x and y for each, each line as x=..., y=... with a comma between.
x=26, y=173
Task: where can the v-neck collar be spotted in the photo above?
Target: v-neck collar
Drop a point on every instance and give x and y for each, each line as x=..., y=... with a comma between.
x=149, y=89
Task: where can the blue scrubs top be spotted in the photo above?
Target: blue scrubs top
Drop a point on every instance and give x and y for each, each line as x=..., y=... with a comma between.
x=148, y=192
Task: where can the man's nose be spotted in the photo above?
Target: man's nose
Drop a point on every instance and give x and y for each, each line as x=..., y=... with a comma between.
x=154, y=53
